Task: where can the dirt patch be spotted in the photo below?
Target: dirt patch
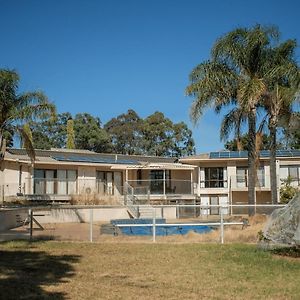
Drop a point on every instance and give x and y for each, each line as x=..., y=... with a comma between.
x=81, y=232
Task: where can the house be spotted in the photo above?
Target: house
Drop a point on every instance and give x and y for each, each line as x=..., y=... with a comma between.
x=223, y=177
x=59, y=174
x=215, y=178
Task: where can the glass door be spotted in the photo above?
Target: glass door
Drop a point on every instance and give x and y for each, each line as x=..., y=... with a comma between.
x=157, y=183
x=49, y=181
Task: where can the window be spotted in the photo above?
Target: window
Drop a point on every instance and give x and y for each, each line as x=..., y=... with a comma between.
x=157, y=181
x=241, y=176
x=139, y=177
x=291, y=172
x=215, y=177
x=62, y=182
x=261, y=176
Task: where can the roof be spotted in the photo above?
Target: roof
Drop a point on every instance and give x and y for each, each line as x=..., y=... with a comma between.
x=240, y=155
x=79, y=156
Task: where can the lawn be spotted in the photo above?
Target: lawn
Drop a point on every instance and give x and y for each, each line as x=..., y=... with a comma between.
x=65, y=270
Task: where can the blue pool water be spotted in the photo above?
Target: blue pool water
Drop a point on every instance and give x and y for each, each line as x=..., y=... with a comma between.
x=160, y=230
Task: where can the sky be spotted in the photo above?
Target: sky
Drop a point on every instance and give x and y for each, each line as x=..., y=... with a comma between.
x=105, y=57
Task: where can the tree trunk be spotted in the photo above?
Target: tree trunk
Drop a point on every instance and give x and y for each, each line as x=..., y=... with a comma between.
x=2, y=146
x=251, y=161
x=273, y=173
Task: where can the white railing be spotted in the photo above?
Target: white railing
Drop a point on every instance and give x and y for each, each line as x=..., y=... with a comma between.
x=130, y=201
x=162, y=187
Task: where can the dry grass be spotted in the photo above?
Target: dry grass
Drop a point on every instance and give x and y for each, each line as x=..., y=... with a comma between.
x=94, y=199
x=56, y=270
x=81, y=231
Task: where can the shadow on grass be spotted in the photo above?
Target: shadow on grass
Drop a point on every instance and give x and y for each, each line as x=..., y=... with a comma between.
x=288, y=251
x=24, y=274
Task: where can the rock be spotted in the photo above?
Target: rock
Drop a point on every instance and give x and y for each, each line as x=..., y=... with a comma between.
x=283, y=226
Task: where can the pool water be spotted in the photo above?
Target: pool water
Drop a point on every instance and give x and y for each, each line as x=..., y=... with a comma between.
x=160, y=230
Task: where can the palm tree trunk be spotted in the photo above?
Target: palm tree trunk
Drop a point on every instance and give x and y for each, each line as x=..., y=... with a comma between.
x=273, y=173
x=251, y=160
x=2, y=145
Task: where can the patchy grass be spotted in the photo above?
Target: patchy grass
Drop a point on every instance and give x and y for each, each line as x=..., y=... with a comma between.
x=62, y=270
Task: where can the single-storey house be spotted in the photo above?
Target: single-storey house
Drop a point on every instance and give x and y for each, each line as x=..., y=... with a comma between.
x=61, y=173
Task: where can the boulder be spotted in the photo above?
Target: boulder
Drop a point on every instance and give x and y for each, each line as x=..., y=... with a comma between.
x=283, y=226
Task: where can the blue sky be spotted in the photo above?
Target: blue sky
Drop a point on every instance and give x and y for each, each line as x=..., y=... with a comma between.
x=104, y=57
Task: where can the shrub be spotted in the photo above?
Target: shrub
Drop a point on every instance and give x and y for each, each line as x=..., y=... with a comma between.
x=287, y=191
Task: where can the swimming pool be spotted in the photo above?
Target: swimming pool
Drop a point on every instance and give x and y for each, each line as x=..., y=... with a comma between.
x=160, y=230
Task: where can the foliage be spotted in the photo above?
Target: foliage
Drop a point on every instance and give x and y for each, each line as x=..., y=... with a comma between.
x=244, y=141
x=291, y=132
x=87, y=130
x=70, y=135
x=287, y=191
x=157, y=132
x=288, y=251
x=154, y=135
x=51, y=133
x=89, y=134
x=248, y=69
x=261, y=237
x=161, y=137
x=235, y=75
x=28, y=139
x=125, y=133
x=17, y=109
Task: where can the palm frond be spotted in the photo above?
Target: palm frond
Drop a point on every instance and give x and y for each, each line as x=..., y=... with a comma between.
x=232, y=121
x=26, y=137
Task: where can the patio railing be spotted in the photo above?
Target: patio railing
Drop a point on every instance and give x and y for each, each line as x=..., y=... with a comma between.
x=161, y=186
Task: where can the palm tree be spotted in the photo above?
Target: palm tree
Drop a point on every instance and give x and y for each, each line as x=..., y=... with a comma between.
x=233, y=121
x=283, y=87
x=235, y=75
x=17, y=109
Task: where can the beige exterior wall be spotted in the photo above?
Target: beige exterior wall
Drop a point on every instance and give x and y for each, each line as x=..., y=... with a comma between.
x=10, y=175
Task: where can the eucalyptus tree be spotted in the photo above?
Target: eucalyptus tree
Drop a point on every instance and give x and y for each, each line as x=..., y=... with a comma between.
x=125, y=133
x=235, y=75
x=18, y=109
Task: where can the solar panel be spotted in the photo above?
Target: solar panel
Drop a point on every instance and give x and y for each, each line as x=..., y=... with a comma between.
x=214, y=155
x=244, y=154
x=234, y=154
x=224, y=155
x=95, y=159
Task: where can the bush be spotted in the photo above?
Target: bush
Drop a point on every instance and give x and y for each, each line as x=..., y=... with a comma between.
x=287, y=191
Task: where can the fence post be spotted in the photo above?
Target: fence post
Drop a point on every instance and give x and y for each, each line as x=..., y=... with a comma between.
x=91, y=225
x=30, y=213
x=222, y=226
x=154, y=226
